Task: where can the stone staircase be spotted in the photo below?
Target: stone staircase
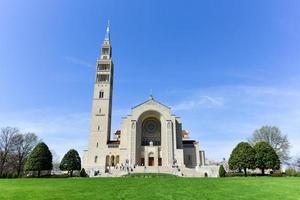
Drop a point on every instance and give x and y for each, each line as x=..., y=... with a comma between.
x=210, y=171
x=153, y=169
x=113, y=173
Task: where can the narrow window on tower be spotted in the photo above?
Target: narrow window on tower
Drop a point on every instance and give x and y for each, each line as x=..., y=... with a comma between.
x=97, y=145
x=104, y=77
x=101, y=95
x=98, y=128
x=105, y=51
x=96, y=158
x=104, y=67
x=98, y=78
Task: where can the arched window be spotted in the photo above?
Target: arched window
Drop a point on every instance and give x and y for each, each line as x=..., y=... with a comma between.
x=117, y=159
x=151, y=132
x=101, y=94
x=112, y=161
x=96, y=158
x=107, y=160
x=151, y=159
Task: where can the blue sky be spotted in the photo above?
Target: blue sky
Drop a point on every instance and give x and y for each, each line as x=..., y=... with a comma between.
x=225, y=67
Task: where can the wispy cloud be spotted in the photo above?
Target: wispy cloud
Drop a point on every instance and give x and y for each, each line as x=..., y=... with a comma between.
x=234, y=112
x=78, y=61
x=60, y=130
x=198, y=102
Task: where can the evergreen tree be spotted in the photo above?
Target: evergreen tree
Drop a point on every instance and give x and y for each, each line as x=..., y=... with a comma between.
x=242, y=157
x=222, y=172
x=39, y=159
x=70, y=162
x=266, y=157
x=83, y=173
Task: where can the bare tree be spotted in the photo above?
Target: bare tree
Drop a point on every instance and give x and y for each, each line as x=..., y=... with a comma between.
x=24, y=143
x=274, y=137
x=55, y=160
x=297, y=163
x=7, y=140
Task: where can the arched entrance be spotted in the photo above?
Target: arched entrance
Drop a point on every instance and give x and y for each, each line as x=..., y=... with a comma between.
x=107, y=161
x=148, y=137
x=151, y=159
x=112, y=161
x=117, y=159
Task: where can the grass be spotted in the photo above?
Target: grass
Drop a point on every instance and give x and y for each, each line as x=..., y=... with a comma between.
x=153, y=187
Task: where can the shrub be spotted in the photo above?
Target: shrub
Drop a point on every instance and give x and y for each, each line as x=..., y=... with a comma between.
x=266, y=157
x=237, y=174
x=277, y=173
x=149, y=175
x=9, y=175
x=39, y=159
x=242, y=157
x=291, y=172
x=70, y=162
x=55, y=176
x=83, y=173
x=240, y=174
x=222, y=172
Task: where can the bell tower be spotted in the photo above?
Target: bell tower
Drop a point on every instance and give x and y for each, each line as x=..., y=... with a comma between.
x=102, y=99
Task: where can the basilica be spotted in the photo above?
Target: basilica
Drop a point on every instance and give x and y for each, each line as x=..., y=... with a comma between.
x=150, y=139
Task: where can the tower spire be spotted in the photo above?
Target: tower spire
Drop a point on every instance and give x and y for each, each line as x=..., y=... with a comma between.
x=107, y=35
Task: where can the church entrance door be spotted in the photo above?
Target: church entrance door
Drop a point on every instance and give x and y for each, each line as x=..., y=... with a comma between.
x=142, y=161
x=151, y=161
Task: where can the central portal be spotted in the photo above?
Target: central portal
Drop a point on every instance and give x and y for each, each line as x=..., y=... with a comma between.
x=151, y=159
x=148, y=138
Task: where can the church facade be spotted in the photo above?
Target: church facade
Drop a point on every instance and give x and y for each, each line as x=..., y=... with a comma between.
x=150, y=137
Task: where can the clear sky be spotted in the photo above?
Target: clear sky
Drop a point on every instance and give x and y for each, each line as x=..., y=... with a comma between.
x=225, y=67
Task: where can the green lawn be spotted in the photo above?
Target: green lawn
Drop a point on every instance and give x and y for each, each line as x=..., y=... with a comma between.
x=151, y=188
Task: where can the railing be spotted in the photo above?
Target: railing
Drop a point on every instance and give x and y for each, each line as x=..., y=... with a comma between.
x=147, y=143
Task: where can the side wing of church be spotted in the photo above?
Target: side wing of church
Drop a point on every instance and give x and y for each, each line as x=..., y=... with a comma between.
x=151, y=138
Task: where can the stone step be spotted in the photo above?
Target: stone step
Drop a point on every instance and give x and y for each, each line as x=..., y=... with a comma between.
x=211, y=171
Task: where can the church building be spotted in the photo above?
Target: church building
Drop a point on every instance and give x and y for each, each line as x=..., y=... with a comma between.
x=150, y=139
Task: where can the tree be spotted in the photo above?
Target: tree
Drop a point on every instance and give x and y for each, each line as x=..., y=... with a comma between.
x=273, y=136
x=222, y=172
x=55, y=160
x=23, y=146
x=297, y=163
x=266, y=157
x=242, y=157
x=39, y=159
x=290, y=171
x=7, y=141
x=70, y=162
x=83, y=173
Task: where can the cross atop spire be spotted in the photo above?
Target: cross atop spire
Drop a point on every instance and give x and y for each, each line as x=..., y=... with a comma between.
x=107, y=35
x=151, y=95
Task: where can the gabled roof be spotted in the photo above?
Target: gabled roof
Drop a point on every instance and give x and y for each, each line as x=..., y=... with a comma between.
x=151, y=99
